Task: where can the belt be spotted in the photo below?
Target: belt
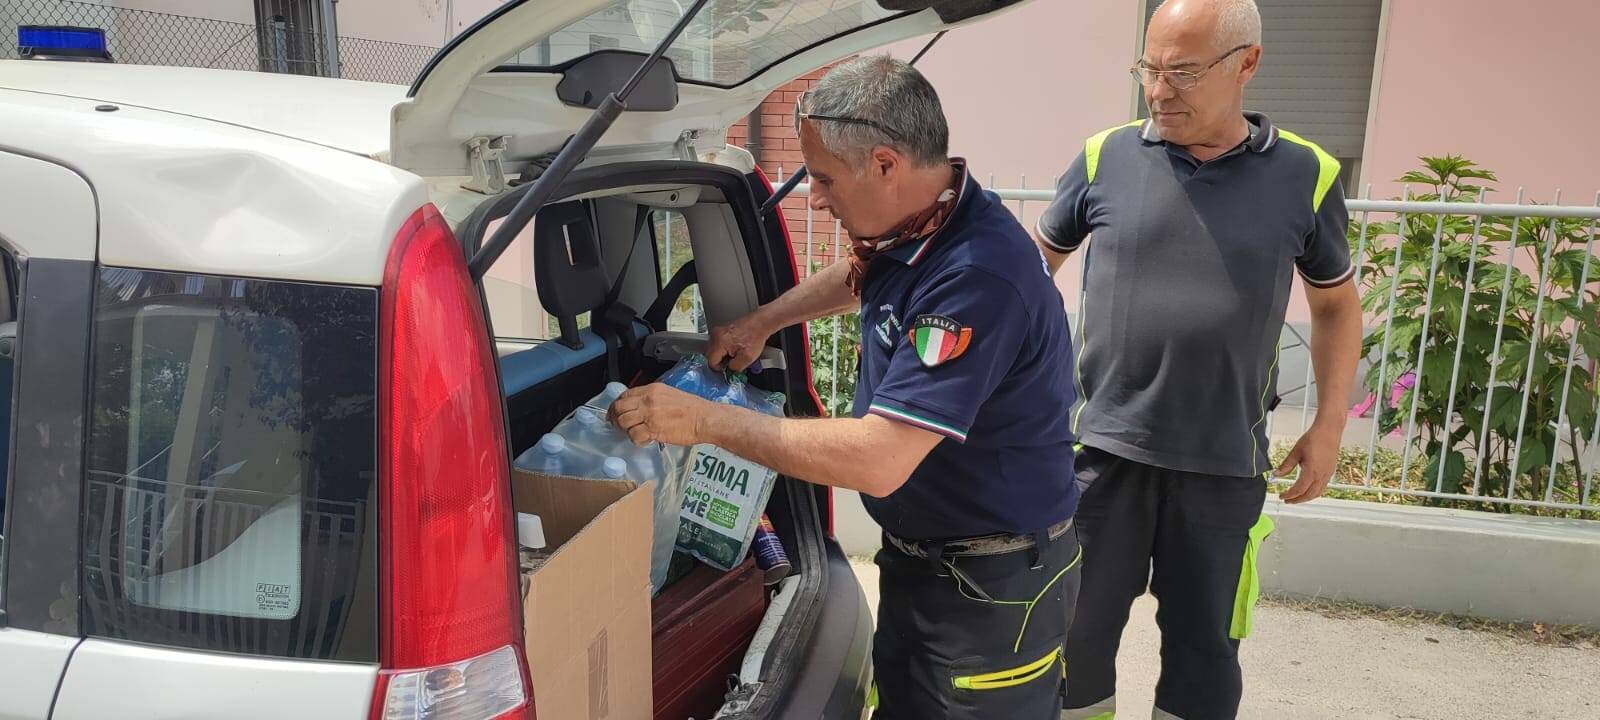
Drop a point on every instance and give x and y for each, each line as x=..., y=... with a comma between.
x=999, y=544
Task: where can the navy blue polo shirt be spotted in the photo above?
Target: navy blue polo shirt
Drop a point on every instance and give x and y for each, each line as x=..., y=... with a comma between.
x=965, y=335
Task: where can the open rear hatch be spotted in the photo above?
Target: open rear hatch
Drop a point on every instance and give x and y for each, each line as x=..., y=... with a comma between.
x=537, y=90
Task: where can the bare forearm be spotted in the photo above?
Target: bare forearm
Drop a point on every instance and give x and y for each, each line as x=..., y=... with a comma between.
x=1335, y=353
x=835, y=452
x=820, y=295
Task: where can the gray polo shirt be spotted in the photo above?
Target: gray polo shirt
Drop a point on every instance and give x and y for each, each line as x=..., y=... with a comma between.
x=1188, y=277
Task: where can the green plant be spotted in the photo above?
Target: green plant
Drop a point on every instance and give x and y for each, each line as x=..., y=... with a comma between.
x=1451, y=282
x=835, y=345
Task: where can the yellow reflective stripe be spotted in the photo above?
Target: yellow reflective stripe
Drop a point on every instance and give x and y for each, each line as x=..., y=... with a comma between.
x=1104, y=716
x=1035, y=601
x=1029, y=615
x=872, y=697
x=1091, y=148
x=1008, y=678
x=1255, y=447
x=1249, y=579
x=1327, y=167
x=1091, y=165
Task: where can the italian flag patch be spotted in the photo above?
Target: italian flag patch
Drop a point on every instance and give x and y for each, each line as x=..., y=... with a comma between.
x=938, y=339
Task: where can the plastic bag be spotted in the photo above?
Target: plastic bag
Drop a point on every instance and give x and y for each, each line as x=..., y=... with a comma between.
x=724, y=494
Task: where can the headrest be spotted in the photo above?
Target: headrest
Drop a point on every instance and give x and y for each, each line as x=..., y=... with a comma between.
x=567, y=266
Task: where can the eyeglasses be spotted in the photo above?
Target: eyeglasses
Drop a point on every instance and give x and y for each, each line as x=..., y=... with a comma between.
x=800, y=115
x=1178, y=79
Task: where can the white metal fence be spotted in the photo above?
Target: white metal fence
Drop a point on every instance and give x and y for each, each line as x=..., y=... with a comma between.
x=1478, y=382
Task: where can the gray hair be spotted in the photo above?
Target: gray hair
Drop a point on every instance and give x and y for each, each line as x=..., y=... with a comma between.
x=887, y=92
x=1238, y=23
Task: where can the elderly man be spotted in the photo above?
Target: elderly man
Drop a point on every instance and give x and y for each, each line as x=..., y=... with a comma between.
x=1200, y=216
x=957, y=442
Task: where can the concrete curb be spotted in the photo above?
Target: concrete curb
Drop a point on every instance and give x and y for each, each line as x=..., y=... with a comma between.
x=1502, y=567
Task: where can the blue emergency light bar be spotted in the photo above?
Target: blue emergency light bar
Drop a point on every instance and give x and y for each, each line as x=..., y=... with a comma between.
x=62, y=43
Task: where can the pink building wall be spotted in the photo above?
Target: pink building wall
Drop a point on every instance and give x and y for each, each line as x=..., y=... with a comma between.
x=1494, y=81
x=1023, y=91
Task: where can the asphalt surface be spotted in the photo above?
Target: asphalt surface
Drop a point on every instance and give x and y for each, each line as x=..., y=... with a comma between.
x=1304, y=665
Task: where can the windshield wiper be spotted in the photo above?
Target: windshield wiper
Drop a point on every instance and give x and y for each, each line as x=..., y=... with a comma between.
x=572, y=153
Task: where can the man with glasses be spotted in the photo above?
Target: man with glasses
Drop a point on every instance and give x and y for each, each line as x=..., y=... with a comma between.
x=1200, y=217
x=957, y=443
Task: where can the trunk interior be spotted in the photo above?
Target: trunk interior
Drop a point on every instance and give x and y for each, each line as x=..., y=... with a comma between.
x=680, y=249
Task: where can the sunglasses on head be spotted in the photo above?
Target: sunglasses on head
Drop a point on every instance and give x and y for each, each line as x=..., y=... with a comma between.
x=801, y=115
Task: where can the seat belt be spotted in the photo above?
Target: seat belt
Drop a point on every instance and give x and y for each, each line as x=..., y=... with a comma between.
x=613, y=322
x=661, y=309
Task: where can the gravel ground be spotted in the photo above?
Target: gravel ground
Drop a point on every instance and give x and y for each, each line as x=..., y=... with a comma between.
x=1314, y=663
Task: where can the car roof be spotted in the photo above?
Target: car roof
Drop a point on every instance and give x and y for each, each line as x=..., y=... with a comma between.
x=343, y=114
x=181, y=193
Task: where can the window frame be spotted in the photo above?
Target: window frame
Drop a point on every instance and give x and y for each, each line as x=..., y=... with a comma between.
x=50, y=394
x=12, y=298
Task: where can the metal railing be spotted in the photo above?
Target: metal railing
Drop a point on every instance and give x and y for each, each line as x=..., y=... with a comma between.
x=140, y=37
x=1522, y=328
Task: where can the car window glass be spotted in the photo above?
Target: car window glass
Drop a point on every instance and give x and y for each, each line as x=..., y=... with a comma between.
x=673, y=251
x=725, y=44
x=231, y=458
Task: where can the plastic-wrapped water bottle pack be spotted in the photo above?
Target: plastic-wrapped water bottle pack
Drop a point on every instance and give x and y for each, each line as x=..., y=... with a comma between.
x=587, y=445
x=708, y=501
x=724, y=494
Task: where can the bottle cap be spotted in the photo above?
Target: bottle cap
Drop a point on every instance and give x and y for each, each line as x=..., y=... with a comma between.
x=530, y=531
x=616, y=467
x=552, y=443
x=615, y=390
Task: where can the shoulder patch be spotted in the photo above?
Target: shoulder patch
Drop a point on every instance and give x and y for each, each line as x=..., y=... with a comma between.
x=1091, y=147
x=1327, y=167
x=938, y=339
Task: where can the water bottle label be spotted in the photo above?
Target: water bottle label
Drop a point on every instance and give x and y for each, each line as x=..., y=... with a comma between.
x=722, y=504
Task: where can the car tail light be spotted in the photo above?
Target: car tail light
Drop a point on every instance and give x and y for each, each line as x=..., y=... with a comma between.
x=805, y=332
x=451, y=628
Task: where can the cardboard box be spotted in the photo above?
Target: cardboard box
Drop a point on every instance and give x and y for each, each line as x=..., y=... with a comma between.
x=587, y=610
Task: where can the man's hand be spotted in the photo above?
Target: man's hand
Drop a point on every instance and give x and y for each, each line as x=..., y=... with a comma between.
x=1316, y=454
x=660, y=413
x=737, y=344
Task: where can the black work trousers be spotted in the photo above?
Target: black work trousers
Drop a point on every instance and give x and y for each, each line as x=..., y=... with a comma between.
x=974, y=637
x=1192, y=540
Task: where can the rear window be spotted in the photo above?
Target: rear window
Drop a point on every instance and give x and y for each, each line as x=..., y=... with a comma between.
x=231, y=465
x=728, y=42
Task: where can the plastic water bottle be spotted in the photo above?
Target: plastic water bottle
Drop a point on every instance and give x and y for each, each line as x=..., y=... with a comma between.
x=613, y=391
x=647, y=463
x=546, y=456
x=692, y=376
x=614, y=468
x=594, y=440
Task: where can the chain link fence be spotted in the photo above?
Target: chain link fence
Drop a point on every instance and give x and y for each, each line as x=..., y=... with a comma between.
x=140, y=37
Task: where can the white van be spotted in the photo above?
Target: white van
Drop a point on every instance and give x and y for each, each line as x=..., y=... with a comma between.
x=260, y=426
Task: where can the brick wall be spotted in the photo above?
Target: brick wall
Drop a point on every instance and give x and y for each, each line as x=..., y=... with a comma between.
x=780, y=152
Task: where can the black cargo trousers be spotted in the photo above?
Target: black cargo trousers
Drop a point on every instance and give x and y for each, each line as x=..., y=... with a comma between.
x=1192, y=539
x=970, y=635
